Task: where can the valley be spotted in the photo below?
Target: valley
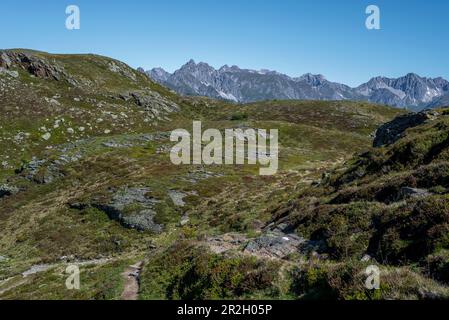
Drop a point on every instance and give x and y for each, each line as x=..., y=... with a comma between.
x=86, y=179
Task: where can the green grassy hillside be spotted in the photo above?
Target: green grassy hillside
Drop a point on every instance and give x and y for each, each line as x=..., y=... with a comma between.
x=87, y=180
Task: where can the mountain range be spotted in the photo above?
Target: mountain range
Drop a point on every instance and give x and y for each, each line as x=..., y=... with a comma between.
x=244, y=85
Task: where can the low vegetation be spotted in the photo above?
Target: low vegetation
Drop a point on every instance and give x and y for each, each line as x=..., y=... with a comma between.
x=85, y=178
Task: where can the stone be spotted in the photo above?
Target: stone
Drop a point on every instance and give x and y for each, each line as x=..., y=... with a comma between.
x=11, y=73
x=177, y=197
x=407, y=193
x=366, y=258
x=184, y=220
x=40, y=171
x=7, y=190
x=392, y=131
x=132, y=208
x=46, y=136
x=5, y=61
x=36, y=269
x=275, y=245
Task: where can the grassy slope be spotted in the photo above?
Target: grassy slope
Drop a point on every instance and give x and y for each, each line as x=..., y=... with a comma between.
x=39, y=226
x=407, y=236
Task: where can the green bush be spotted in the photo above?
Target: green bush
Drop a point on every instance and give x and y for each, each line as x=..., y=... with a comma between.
x=188, y=272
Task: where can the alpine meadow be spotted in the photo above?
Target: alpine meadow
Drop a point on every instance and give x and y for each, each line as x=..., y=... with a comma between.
x=120, y=180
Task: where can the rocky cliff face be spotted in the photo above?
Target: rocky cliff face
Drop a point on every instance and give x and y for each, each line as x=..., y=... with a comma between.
x=243, y=85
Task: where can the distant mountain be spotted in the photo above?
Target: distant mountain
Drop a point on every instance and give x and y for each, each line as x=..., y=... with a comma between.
x=244, y=85
x=441, y=101
x=408, y=91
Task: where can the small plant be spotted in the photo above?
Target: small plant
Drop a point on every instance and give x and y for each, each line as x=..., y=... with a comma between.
x=239, y=117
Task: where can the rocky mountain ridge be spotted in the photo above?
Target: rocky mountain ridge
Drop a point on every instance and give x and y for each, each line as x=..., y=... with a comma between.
x=244, y=85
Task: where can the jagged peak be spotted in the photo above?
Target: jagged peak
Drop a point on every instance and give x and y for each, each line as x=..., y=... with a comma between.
x=412, y=75
x=312, y=79
x=158, y=69
x=227, y=68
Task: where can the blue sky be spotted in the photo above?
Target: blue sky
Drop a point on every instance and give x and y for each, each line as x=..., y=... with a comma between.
x=290, y=36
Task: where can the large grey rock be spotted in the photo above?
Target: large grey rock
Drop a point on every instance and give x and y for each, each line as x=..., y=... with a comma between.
x=7, y=190
x=5, y=61
x=11, y=73
x=392, y=131
x=277, y=244
x=177, y=197
x=155, y=105
x=132, y=208
x=407, y=192
x=36, y=65
x=36, y=269
x=42, y=171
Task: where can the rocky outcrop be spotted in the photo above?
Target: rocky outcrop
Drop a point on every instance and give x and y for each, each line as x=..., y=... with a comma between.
x=392, y=131
x=408, y=192
x=177, y=197
x=156, y=106
x=133, y=208
x=275, y=244
x=5, y=61
x=122, y=68
x=278, y=244
x=36, y=65
x=7, y=190
x=43, y=171
x=11, y=73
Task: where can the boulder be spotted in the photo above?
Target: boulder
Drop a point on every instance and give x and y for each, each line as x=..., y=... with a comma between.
x=276, y=244
x=41, y=171
x=155, y=105
x=177, y=197
x=5, y=61
x=392, y=131
x=11, y=73
x=7, y=190
x=132, y=208
x=407, y=193
x=184, y=220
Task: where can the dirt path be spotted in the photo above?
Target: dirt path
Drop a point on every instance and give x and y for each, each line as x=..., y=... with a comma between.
x=131, y=277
